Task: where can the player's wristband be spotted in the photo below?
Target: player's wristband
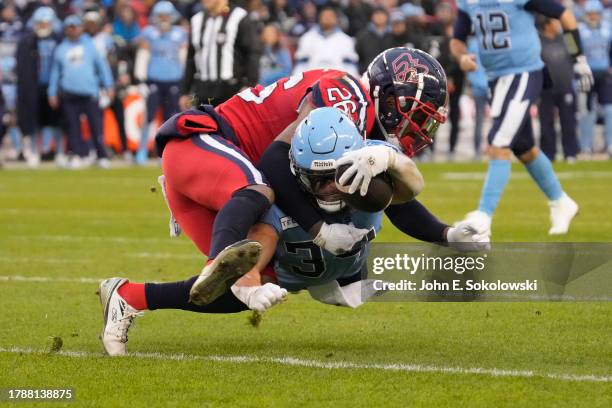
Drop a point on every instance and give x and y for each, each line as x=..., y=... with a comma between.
x=573, y=43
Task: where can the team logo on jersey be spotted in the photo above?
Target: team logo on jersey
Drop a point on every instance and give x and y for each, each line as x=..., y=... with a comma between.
x=406, y=68
x=287, y=223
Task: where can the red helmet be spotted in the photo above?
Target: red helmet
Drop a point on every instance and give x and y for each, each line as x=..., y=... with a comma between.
x=408, y=88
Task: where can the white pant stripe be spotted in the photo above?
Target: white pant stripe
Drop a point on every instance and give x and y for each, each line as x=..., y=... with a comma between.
x=499, y=94
x=514, y=115
x=219, y=146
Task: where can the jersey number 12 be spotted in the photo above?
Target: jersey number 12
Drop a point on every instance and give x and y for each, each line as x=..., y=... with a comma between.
x=494, y=29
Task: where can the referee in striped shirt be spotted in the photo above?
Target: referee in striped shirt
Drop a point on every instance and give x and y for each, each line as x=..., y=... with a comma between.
x=223, y=54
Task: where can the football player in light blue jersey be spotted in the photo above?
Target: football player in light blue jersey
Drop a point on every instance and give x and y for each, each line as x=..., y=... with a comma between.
x=321, y=139
x=159, y=67
x=509, y=50
x=597, y=34
x=320, y=142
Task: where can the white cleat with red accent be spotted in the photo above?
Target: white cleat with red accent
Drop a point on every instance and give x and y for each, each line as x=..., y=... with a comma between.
x=118, y=317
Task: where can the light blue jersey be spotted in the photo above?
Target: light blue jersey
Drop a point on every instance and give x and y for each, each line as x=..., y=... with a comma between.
x=596, y=44
x=79, y=69
x=165, y=63
x=300, y=263
x=508, y=41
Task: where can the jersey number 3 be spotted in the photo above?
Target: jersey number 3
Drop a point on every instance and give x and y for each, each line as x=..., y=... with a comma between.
x=311, y=264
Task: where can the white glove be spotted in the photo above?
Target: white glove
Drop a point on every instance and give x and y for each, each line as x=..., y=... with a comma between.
x=584, y=75
x=339, y=238
x=260, y=298
x=466, y=236
x=366, y=163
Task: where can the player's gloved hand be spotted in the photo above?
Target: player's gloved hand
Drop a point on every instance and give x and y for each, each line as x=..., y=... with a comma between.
x=583, y=73
x=260, y=298
x=365, y=163
x=466, y=236
x=339, y=238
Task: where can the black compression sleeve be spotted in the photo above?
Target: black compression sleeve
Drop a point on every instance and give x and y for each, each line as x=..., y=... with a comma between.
x=414, y=219
x=573, y=42
x=548, y=8
x=463, y=26
x=290, y=198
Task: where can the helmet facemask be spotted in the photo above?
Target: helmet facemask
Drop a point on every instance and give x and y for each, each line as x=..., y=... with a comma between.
x=406, y=121
x=321, y=185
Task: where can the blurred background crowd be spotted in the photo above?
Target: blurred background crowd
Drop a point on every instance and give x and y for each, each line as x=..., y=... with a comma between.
x=86, y=81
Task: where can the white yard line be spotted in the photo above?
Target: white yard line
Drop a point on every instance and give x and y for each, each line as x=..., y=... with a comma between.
x=74, y=213
x=137, y=255
x=119, y=240
x=339, y=365
x=19, y=278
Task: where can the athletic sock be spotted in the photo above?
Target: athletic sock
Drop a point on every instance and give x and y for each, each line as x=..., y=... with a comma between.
x=542, y=172
x=134, y=295
x=495, y=183
x=175, y=295
x=237, y=216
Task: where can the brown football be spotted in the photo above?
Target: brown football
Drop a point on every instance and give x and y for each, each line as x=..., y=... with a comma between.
x=378, y=197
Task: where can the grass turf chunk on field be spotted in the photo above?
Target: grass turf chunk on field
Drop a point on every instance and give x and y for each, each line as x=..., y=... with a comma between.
x=61, y=231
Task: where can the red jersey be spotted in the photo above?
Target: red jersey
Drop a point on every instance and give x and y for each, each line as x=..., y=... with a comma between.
x=258, y=115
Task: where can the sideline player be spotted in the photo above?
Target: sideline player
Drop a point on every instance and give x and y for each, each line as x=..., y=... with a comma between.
x=509, y=50
x=323, y=273
x=159, y=67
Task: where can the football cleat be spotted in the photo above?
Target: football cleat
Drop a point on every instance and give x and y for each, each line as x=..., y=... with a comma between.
x=562, y=211
x=118, y=317
x=230, y=265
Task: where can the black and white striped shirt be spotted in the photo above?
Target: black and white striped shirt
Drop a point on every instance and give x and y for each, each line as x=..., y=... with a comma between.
x=222, y=48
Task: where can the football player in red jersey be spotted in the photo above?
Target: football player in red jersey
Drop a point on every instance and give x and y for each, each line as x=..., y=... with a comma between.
x=217, y=194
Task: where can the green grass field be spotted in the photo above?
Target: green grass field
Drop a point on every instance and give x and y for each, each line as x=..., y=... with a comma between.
x=62, y=231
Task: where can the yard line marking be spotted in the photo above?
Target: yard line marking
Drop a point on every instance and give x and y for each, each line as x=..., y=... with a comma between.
x=339, y=365
x=137, y=255
x=564, y=175
x=81, y=213
x=19, y=278
x=120, y=240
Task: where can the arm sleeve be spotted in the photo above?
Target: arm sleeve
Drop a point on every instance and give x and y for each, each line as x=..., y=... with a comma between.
x=548, y=8
x=463, y=26
x=294, y=202
x=412, y=218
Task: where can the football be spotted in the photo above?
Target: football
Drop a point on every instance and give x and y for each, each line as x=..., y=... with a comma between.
x=378, y=197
